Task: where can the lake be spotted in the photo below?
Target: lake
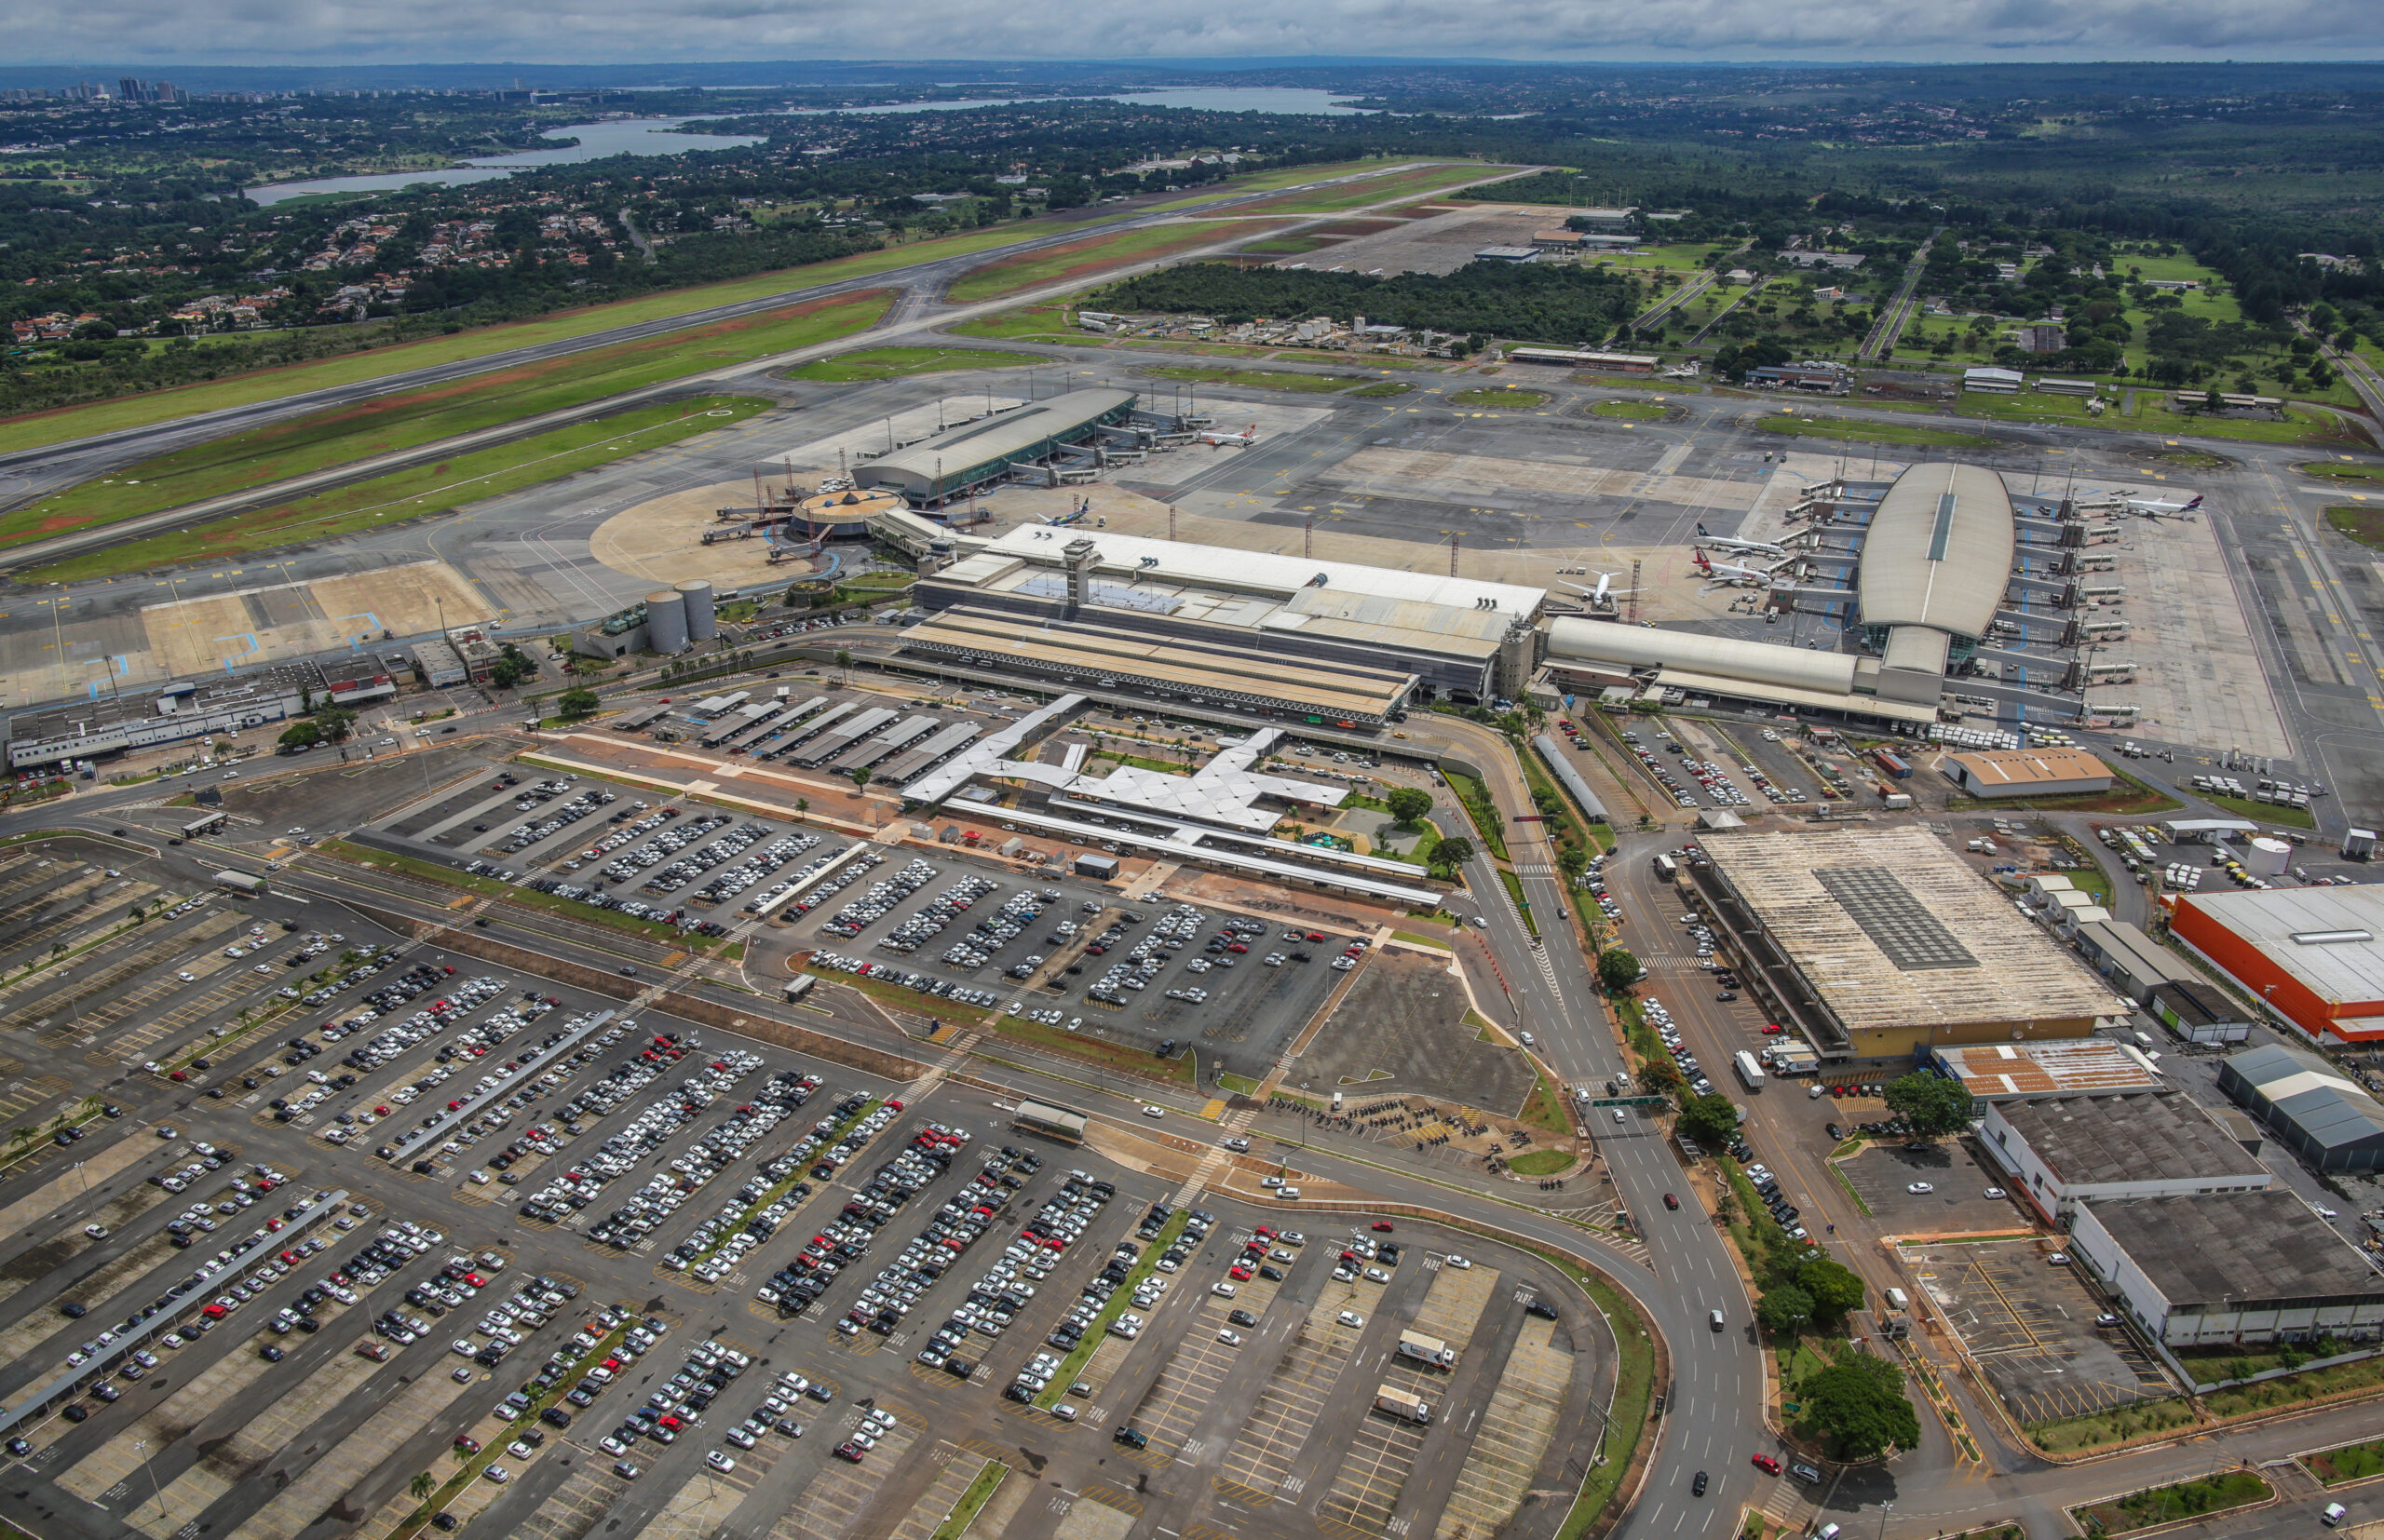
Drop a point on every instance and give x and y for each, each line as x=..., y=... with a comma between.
x=1290, y=99
x=623, y=136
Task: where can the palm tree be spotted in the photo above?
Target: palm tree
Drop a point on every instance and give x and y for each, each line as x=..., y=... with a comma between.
x=422, y=1486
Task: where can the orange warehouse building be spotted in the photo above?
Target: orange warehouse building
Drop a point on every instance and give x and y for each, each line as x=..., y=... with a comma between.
x=2316, y=955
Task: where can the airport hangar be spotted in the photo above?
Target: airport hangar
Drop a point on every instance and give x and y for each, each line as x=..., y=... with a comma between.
x=1073, y=428
x=1883, y=944
x=1916, y=605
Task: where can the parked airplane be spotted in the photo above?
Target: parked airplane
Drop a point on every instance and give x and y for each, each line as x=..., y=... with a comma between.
x=2153, y=507
x=1723, y=573
x=1222, y=439
x=1746, y=548
x=1604, y=593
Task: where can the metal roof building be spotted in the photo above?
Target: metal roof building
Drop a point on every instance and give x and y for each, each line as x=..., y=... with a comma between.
x=1734, y=668
x=2310, y=1104
x=2065, y=1150
x=2315, y=954
x=950, y=462
x=1939, y=549
x=2026, y=772
x=1898, y=945
x=2077, y=1066
x=2230, y=1267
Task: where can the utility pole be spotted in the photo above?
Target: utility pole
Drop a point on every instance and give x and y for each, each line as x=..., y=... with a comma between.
x=1632, y=614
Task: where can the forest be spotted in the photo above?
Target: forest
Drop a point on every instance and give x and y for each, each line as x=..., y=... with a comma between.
x=1550, y=304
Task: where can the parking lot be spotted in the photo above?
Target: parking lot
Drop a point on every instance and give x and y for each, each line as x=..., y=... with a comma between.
x=1956, y=1203
x=2030, y=1325
x=1402, y=1030
x=584, y=1210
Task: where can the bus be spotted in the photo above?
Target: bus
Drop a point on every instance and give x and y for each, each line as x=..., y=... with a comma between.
x=1666, y=868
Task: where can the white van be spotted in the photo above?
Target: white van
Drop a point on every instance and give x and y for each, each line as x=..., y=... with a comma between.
x=1897, y=1300
x=2335, y=1513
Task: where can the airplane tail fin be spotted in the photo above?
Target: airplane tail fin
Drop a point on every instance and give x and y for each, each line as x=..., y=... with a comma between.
x=2190, y=506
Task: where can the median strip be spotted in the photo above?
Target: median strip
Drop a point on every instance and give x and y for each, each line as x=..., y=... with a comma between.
x=1111, y=1309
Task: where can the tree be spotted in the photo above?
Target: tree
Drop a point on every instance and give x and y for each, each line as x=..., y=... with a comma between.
x=1709, y=1119
x=1858, y=1407
x=862, y=778
x=422, y=1485
x=1408, y=803
x=1835, y=1290
x=802, y=805
x=1451, y=854
x=1931, y=1103
x=578, y=703
x=1617, y=969
x=513, y=665
x=844, y=658
x=1661, y=1077
x=1785, y=1308
x=300, y=734
x=334, y=723
x=1572, y=861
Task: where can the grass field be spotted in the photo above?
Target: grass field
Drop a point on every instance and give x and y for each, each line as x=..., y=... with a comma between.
x=2344, y=470
x=1287, y=246
x=1853, y=431
x=1508, y=398
x=414, y=492
x=1260, y=181
x=323, y=439
x=162, y=406
x=1260, y=379
x=1095, y=254
x=2361, y=521
x=892, y=363
x=1028, y=323
x=1384, y=388
x=2157, y=1505
x=1637, y=410
x=1417, y=182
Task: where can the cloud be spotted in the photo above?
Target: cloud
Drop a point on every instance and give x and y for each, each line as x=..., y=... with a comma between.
x=354, y=32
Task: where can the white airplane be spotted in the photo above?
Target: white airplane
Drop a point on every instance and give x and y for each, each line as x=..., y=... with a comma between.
x=1244, y=439
x=1745, y=547
x=1722, y=572
x=1604, y=593
x=2155, y=508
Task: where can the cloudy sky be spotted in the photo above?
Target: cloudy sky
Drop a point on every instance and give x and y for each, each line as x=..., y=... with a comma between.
x=331, y=31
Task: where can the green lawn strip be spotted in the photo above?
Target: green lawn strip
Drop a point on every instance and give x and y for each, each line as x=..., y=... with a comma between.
x=786, y=1185
x=2360, y=521
x=1116, y=1056
x=1838, y=1171
x=1261, y=182
x=890, y=363
x=2344, y=470
x=473, y=1464
x=1480, y=810
x=1436, y=943
x=1544, y=1109
x=272, y=384
x=1627, y=1422
x=1142, y=761
x=1111, y=1308
x=491, y=889
x=1870, y=433
x=2157, y=1505
x=2243, y=807
x=1514, y=887
x=406, y=419
x=2346, y=1463
x=1541, y=1163
x=416, y=492
x=2360, y=1377
x=1508, y=397
x=964, y=1513
x=1260, y=379
x=1420, y=182
x=1640, y=411
x=1384, y=388
x=1240, y=1085
x=1083, y=258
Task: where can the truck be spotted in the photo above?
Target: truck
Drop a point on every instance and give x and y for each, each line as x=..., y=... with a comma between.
x=1431, y=1351
x=1897, y=801
x=1403, y=1404
x=1666, y=868
x=1749, y=1071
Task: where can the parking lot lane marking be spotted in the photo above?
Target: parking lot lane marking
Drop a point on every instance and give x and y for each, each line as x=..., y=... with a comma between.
x=1505, y=1450
x=961, y=1468
x=1089, y=1519
x=302, y=1500
x=1286, y=1411
x=832, y=1504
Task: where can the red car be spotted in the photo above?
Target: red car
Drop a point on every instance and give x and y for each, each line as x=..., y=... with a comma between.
x=1772, y=1029
x=1670, y=1202
x=1240, y=1272
x=1382, y=1226
x=1765, y=1464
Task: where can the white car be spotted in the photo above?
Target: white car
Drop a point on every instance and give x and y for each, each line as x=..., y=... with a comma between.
x=1453, y=1259
x=1229, y=1337
x=1921, y=1187
x=1154, y=1112
x=718, y=1461
x=1351, y=1318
